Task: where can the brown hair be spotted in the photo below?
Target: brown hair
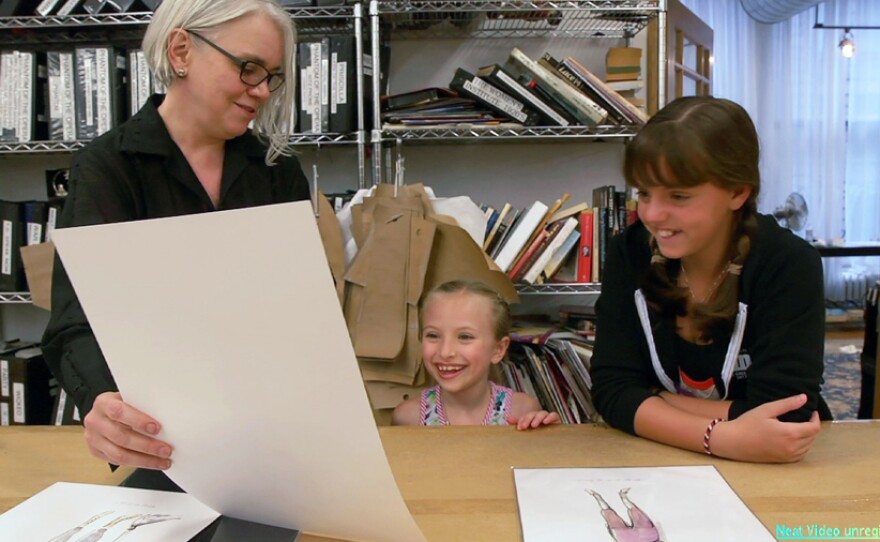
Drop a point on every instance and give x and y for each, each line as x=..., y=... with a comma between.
x=691, y=141
x=502, y=320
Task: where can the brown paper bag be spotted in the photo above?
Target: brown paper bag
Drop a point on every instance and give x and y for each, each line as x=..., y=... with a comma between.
x=38, y=263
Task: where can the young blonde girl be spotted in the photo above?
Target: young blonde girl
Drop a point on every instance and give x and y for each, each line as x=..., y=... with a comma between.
x=465, y=329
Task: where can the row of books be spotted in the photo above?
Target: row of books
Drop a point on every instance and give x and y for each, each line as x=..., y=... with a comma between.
x=550, y=244
x=82, y=93
x=554, y=367
x=547, y=92
x=45, y=8
x=327, y=97
x=64, y=95
x=9, y=8
x=28, y=392
x=27, y=223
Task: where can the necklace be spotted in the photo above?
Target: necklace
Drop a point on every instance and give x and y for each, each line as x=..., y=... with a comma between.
x=711, y=291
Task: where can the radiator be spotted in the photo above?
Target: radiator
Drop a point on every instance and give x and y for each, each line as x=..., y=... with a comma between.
x=852, y=289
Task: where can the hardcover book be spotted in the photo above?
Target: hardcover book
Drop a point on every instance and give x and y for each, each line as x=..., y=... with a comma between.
x=493, y=231
x=423, y=97
x=579, y=83
x=561, y=254
x=504, y=231
x=585, y=110
x=564, y=230
x=585, y=249
x=528, y=255
x=496, y=75
x=622, y=107
x=546, y=218
x=520, y=236
x=497, y=100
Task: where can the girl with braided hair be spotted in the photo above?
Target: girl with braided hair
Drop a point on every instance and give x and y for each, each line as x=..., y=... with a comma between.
x=710, y=311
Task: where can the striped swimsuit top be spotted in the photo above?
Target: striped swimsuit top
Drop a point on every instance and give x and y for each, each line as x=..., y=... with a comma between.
x=433, y=413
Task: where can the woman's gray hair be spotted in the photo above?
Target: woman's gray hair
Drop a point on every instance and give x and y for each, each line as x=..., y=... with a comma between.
x=275, y=118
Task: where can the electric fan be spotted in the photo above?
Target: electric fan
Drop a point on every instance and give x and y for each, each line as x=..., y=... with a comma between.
x=792, y=215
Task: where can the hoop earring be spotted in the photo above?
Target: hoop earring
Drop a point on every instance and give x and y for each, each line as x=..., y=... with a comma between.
x=181, y=72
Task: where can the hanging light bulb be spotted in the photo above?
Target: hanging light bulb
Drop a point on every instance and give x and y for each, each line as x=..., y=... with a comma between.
x=847, y=45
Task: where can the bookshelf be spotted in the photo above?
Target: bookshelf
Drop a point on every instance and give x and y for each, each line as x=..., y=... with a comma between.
x=534, y=133
x=126, y=30
x=478, y=25
x=25, y=161
x=501, y=19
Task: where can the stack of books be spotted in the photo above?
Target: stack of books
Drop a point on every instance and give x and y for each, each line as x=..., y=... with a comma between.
x=522, y=90
x=623, y=66
x=435, y=106
x=542, y=244
x=553, y=365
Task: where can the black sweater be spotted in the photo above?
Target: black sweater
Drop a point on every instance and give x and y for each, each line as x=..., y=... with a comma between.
x=137, y=172
x=781, y=287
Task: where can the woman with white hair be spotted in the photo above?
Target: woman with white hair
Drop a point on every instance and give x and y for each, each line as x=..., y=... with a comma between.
x=217, y=140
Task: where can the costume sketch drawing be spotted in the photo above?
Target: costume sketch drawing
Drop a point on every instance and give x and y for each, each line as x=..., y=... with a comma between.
x=68, y=512
x=639, y=528
x=632, y=504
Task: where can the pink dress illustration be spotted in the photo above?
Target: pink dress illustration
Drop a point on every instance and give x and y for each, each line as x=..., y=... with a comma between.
x=640, y=527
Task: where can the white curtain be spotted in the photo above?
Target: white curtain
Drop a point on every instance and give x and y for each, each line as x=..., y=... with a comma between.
x=817, y=114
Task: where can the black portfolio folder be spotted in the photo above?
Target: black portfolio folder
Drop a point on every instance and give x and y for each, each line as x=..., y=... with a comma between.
x=224, y=529
x=343, y=85
x=13, y=238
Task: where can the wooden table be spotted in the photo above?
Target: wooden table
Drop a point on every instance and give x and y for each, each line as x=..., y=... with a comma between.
x=458, y=483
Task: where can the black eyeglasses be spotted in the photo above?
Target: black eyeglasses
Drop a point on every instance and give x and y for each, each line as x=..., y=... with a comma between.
x=252, y=73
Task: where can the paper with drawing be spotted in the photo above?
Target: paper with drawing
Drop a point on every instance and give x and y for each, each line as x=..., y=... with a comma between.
x=226, y=328
x=83, y=512
x=650, y=504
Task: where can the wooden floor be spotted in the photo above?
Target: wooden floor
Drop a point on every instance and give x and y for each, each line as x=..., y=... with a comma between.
x=851, y=333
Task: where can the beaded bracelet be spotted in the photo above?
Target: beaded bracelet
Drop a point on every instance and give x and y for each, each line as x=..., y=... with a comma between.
x=708, y=434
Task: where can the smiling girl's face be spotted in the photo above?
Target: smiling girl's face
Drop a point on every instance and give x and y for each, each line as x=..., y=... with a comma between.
x=693, y=223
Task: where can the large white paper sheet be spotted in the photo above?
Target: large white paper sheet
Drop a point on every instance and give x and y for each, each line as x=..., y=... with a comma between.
x=226, y=328
x=650, y=504
x=77, y=512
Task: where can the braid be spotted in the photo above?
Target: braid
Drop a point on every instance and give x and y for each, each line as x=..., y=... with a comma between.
x=714, y=320
x=662, y=292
